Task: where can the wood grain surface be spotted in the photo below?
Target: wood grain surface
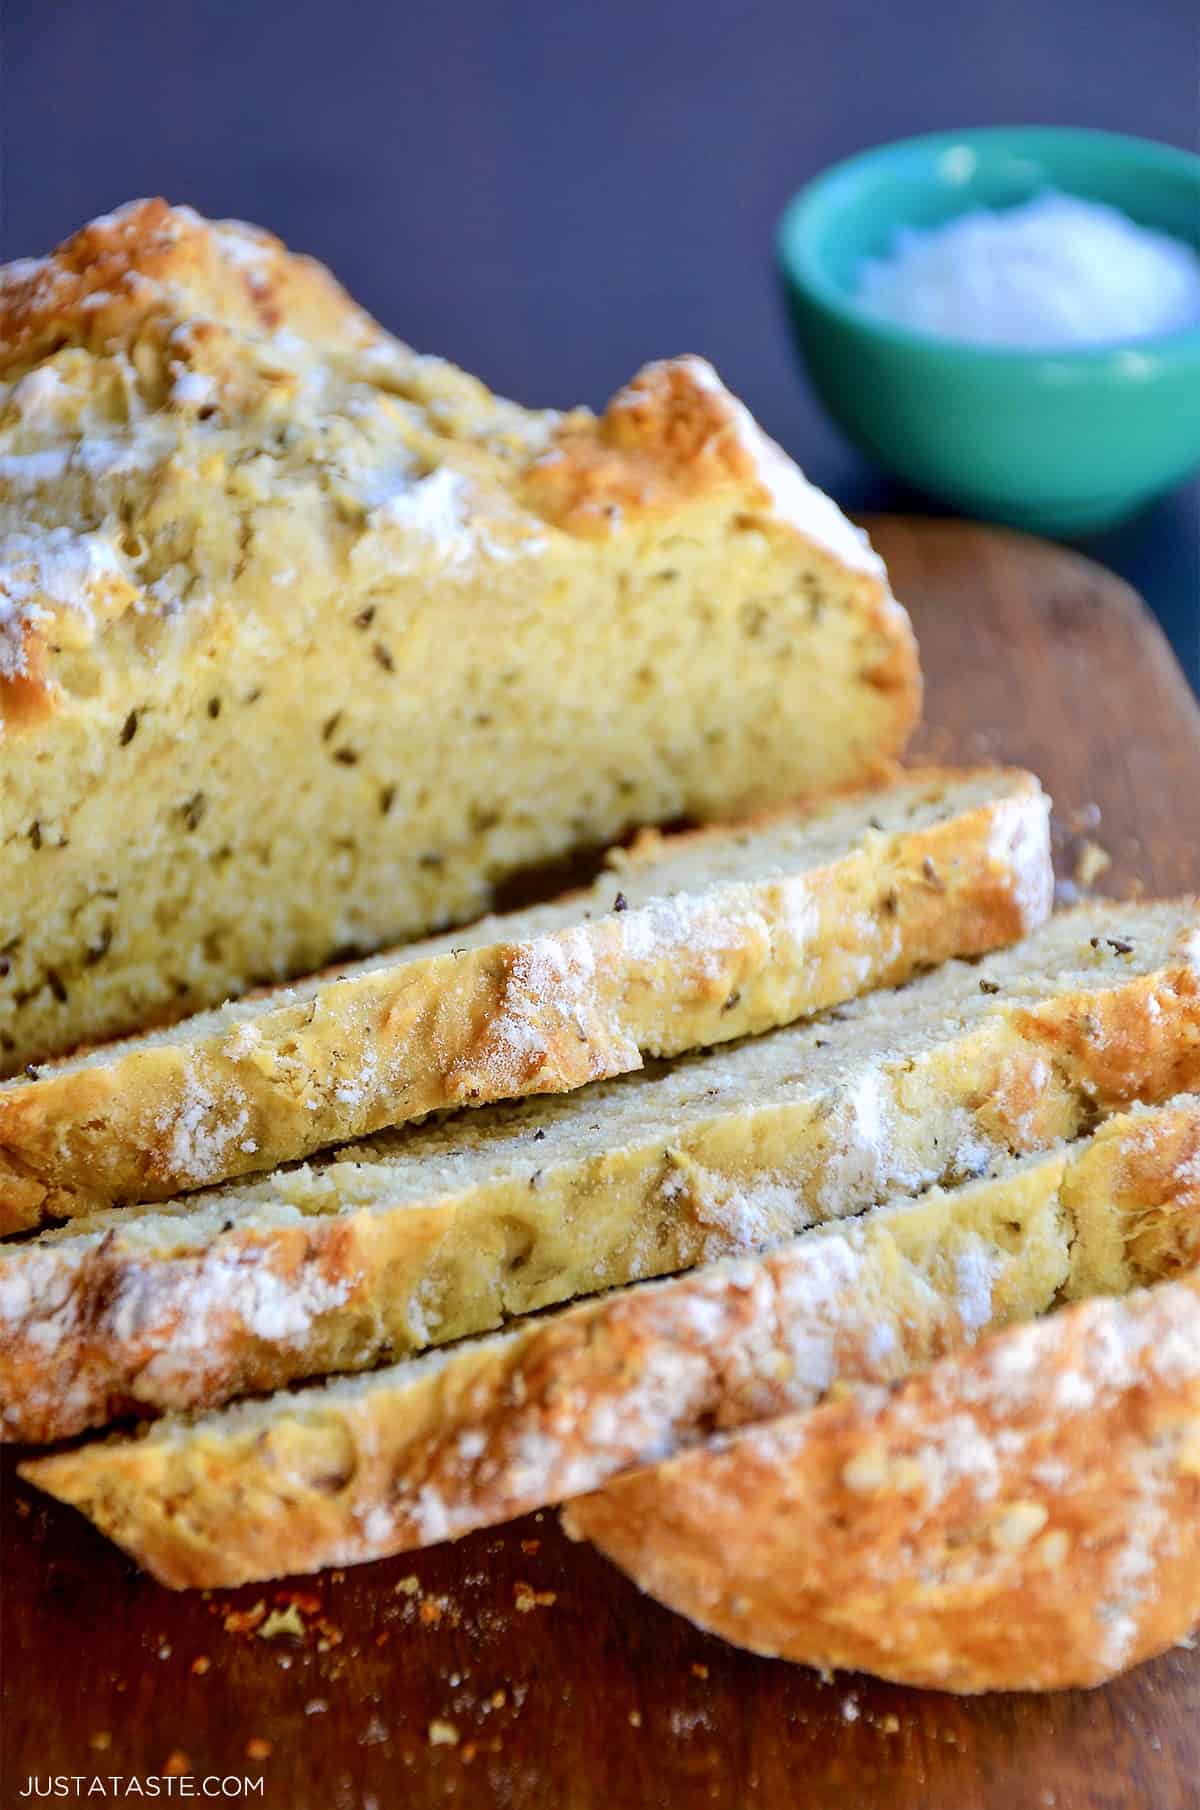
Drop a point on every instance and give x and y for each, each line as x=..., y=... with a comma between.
x=519, y=1671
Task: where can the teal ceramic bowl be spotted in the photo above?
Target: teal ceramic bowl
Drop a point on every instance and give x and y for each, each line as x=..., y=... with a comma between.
x=1062, y=441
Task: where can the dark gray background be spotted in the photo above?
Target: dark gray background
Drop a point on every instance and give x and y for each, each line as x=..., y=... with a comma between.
x=552, y=194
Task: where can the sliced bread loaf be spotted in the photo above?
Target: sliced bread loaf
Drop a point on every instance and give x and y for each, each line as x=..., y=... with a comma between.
x=487, y=1430
x=1025, y=1516
x=686, y=940
x=421, y=1237
x=307, y=641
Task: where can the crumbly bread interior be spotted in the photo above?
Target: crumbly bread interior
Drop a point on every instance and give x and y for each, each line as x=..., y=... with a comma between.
x=307, y=642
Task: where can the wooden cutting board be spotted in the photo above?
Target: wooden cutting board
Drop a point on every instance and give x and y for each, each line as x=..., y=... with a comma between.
x=517, y=1670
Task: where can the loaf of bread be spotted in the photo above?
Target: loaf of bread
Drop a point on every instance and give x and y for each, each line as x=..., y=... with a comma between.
x=1025, y=1516
x=421, y=1237
x=490, y=1429
x=684, y=941
x=307, y=641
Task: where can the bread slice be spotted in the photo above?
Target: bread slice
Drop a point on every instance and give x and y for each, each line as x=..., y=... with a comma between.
x=686, y=940
x=307, y=641
x=1025, y=1516
x=430, y=1449
x=423, y=1237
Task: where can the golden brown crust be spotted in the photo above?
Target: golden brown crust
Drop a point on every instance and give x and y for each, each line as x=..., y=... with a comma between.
x=519, y=1016
x=1022, y=1517
x=27, y=699
x=664, y=439
x=150, y=261
x=1128, y=1052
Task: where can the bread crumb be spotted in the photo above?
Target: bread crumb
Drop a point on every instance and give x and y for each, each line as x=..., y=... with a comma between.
x=499, y=1699
x=316, y=1706
x=101, y=1741
x=244, y=1621
x=635, y=1718
x=257, y=1748
x=282, y=1621
x=525, y=1598
x=890, y=1725
x=699, y=1671
x=430, y=1611
x=529, y=1547
x=200, y=1665
x=408, y=1586
x=442, y=1734
x=176, y=1764
x=850, y=1711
